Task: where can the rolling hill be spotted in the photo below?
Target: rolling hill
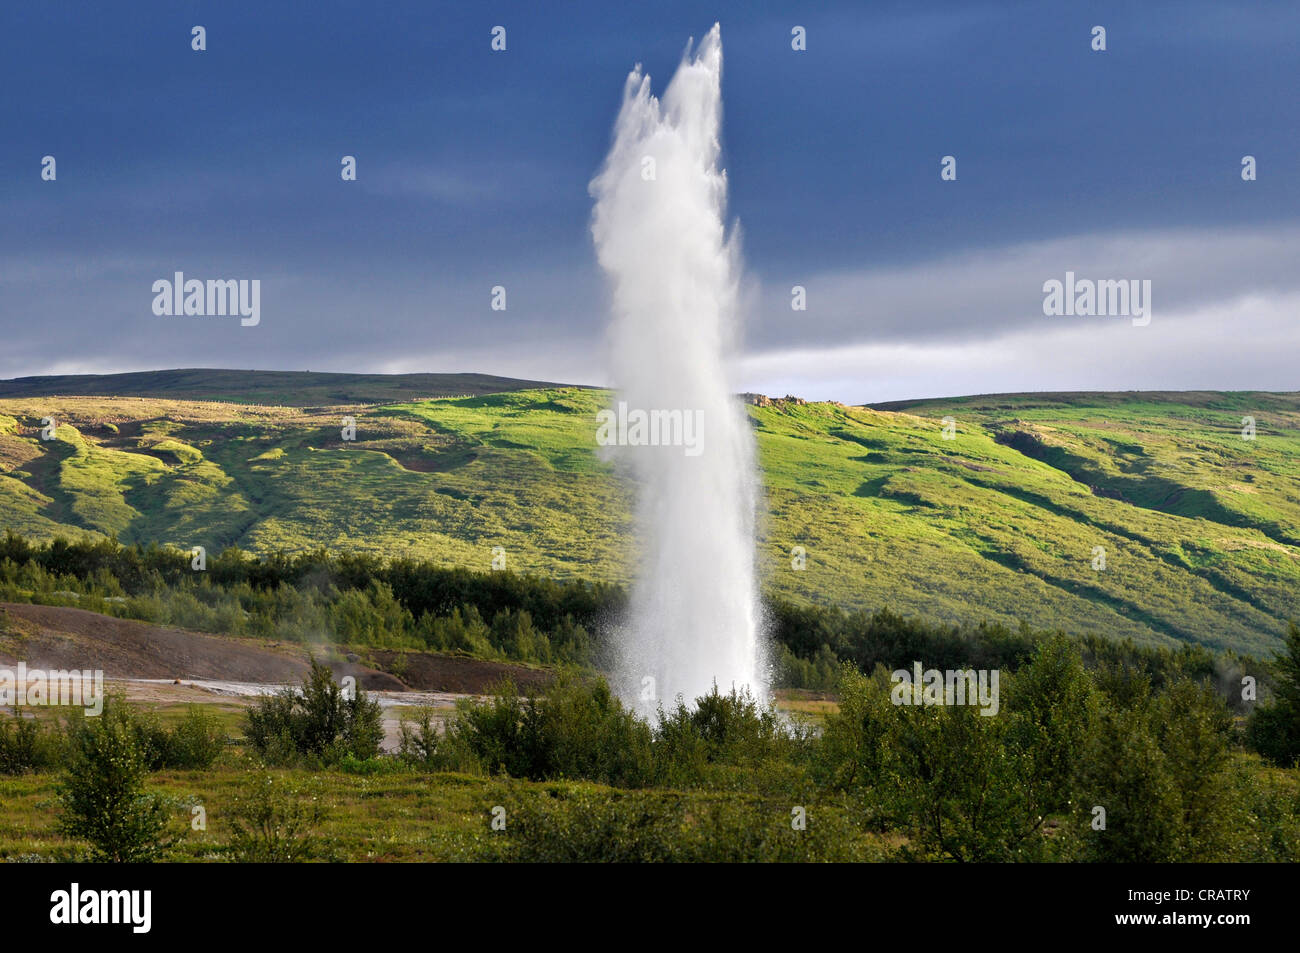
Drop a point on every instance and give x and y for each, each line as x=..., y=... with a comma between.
x=1200, y=528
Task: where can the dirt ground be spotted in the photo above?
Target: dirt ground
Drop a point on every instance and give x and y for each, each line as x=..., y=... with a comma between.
x=164, y=666
x=161, y=666
x=65, y=638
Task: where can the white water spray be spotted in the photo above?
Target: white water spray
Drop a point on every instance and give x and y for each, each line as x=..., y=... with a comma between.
x=674, y=274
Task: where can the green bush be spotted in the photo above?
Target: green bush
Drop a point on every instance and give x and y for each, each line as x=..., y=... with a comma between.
x=577, y=730
x=272, y=820
x=957, y=781
x=419, y=740
x=315, y=721
x=1195, y=731
x=28, y=745
x=152, y=739
x=1124, y=772
x=370, y=617
x=692, y=743
x=850, y=751
x=581, y=825
x=1163, y=769
x=1272, y=799
x=820, y=673
x=962, y=785
x=196, y=741
x=102, y=794
x=31, y=745
x=193, y=743
x=1052, y=703
x=1274, y=730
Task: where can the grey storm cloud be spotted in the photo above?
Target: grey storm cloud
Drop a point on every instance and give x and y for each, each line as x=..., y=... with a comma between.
x=997, y=292
x=1224, y=307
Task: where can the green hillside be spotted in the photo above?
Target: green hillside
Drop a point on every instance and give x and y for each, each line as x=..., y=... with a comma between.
x=1200, y=528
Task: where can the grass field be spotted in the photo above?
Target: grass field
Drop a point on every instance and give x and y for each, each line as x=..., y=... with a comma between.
x=1200, y=528
x=395, y=817
x=385, y=812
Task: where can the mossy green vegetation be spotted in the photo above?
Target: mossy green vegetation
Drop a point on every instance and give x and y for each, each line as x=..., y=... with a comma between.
x=1200, y=528
x=1077, y=764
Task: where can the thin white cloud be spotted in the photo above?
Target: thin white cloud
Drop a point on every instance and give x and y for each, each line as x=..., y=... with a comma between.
x=974, y=295
x=1247, y=344
x=440, y=184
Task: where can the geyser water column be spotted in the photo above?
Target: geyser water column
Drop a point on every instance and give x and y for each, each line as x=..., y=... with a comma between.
x=673, y=271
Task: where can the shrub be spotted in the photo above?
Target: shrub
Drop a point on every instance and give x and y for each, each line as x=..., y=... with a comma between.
x=1052, y=704
x=461, y=631
x=271, y=728
x=1274, y=730
x=953, y=777
x=351, y=764
x=720, y=730
x=152, y=739
x=1163, y=771
x=315, y=721
x=419, y=740
x=193, y=743
x=1125, y=773
x=965, y=785
x=577, y=730
x=1194, y=729
x=849, y=752
x=102, y=793
x=1272, y=798
x=28, y=745
x=370, y=617
x=577, y=824
x=196, y=740
x=273, y=820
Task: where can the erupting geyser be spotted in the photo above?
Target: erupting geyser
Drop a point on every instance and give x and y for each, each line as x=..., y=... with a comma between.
x=674, y=274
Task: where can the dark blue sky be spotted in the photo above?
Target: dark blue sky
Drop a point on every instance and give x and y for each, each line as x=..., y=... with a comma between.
x=473, y=169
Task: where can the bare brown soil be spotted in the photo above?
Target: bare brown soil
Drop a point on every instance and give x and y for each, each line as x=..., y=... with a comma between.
x=63, y=638
x=430, y=672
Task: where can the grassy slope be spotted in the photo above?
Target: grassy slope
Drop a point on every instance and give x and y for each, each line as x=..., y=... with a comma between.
x=1201, y=528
